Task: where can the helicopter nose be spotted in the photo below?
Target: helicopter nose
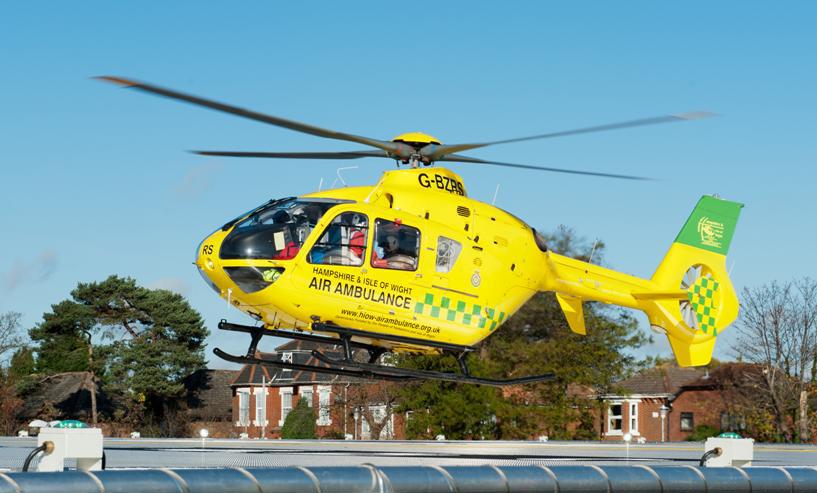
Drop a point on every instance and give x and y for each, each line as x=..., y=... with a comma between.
x=204, y=253
x=205, y=264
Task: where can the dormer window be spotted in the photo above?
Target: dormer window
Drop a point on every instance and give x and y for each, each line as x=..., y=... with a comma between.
x=286, y=358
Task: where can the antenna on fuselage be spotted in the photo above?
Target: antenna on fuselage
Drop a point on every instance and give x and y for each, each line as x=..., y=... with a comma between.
x=593, y=251
x=496, y=192
x=340, y=177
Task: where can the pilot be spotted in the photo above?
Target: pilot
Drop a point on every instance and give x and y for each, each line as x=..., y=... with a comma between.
x=391, y=246
x=392, y=256
x=281, y=217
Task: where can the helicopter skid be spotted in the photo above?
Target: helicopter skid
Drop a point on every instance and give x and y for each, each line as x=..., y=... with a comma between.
x=255, y=360
x=391, y=371
x=288, y=334
x=347, y=366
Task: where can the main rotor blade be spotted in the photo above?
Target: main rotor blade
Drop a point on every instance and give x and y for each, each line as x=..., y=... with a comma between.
x=458, y=158
x=261, y=117
x=297, y=155
x=437, y=152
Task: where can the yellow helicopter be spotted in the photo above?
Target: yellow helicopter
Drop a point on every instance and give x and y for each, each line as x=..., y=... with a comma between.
x=412, y=264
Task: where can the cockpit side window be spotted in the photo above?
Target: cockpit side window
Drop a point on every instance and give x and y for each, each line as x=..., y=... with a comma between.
x=396, y=246
x=277, y=231
x=343, y=242
x=447, y=252
x=261, y=207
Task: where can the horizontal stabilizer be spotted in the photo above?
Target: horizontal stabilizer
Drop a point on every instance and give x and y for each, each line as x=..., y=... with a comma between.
x=661, y=295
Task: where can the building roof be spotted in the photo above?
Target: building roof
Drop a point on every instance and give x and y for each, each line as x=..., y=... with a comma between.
x=297, y=345
x=62, y=396
x=730, y=373
x=274, y=376
x=209, y=396
x=661, y=381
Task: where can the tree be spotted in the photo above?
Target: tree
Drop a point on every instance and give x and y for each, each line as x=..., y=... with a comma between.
x=777, y=330
x=300, y=423
x=22, y=363
x=746, y=410
x=374, y=400
x=62, y=346
x=457, y=411
x=535, y=340
x=10, y=404
x=10, y=338
x=155, y=340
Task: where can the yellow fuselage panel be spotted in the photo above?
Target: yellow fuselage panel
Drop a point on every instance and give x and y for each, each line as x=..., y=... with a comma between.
x=490, y=280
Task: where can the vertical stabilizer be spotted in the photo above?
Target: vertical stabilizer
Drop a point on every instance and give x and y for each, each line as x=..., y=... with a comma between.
x=696, y=265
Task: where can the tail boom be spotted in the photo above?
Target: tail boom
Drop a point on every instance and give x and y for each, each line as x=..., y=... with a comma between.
x=689, y=298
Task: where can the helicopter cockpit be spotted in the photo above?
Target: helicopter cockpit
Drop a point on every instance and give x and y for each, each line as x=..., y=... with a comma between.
x=276, y=231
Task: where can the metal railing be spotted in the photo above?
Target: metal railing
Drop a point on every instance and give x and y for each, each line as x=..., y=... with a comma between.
x=425, y=479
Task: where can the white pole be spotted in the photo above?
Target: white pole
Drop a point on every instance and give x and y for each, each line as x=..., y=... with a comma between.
x=263, y=396
x=662, y=428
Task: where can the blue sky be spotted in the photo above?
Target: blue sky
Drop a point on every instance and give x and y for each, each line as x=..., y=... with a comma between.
x=96, y=181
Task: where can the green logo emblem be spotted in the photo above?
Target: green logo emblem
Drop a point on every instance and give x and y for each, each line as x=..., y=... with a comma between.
x=711, y=232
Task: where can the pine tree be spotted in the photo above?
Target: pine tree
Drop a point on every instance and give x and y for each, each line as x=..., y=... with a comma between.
x=22, y=363
x=157, y=341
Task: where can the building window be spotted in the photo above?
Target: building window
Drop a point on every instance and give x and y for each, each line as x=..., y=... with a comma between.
x=306, y=394
x=286, y=403
x=732, y=422
x=243, y=407
x=378, y=414
x=614, y=421
x=261, y=406
x=687, y=422
x=324, y=418
x=634, y=418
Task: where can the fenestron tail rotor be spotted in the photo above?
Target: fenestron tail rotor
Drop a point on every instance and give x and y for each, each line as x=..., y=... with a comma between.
x=700, y=309
x=687, y=311
x=422, y=150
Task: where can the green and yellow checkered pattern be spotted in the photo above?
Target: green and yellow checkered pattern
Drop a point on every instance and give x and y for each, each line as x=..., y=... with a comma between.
x=702, y=297
x=459, y=311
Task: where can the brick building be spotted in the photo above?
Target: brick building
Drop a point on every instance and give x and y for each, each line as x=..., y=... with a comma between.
x=662, y=404
x=263, y=395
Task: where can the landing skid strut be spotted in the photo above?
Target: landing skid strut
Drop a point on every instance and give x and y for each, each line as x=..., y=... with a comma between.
x=346, y=365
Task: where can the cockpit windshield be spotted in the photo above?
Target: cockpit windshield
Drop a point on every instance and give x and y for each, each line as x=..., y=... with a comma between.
x=277, y=231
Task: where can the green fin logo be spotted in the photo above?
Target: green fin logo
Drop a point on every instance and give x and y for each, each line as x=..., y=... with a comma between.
x=711, y=225
x=711, y=232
